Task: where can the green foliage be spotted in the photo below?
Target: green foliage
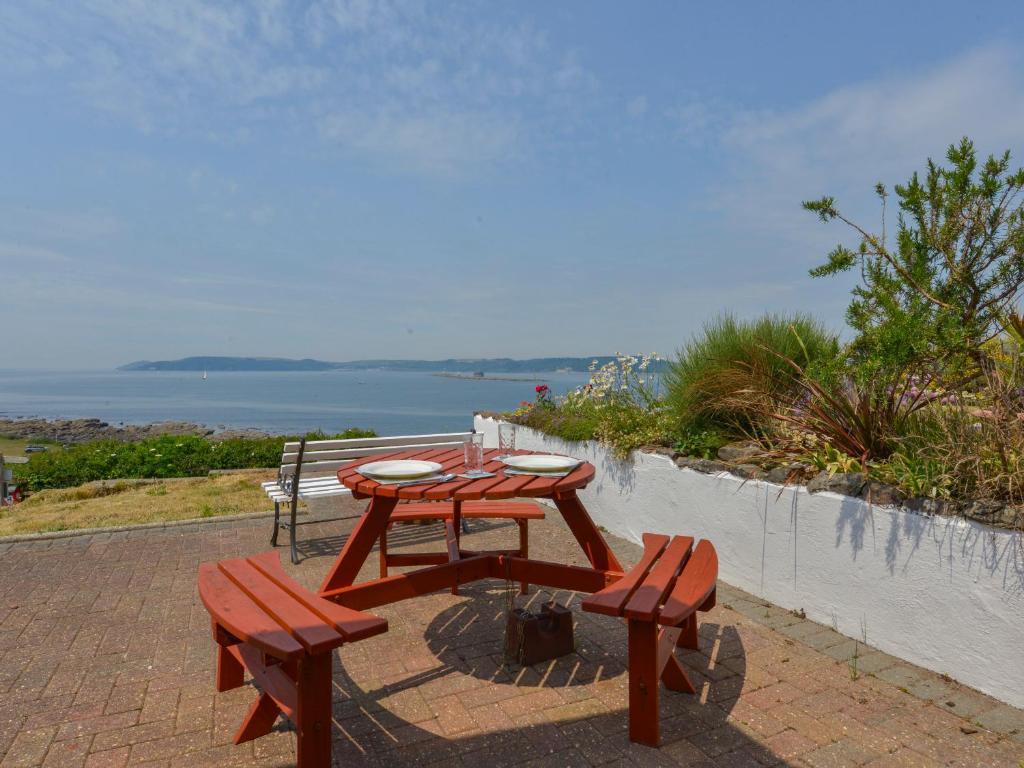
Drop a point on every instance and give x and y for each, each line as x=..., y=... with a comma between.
x=916, y=475
x=957, y=263
x=703, y=443
x=167, y=456
x=863, y=420
x=828, y=459
x=729, y=375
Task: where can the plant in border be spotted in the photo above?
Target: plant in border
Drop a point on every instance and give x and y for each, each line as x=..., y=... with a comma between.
x=956, y=265
x=728, y=377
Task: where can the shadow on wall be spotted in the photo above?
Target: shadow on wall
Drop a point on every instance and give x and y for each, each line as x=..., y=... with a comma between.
x=983, y=551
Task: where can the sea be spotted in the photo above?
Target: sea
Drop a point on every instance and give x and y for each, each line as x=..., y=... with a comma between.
x=293, y=402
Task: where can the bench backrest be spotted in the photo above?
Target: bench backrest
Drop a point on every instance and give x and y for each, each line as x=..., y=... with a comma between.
x=322, y=457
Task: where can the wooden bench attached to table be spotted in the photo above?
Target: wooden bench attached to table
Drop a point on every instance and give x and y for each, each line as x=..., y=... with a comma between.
x=659, y=598
x=520, y=511
x=266, y=622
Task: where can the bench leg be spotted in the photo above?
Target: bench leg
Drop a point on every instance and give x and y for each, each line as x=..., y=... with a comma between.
x=688, y=637
x=230, y=672
x=524, y=550
x=277, y=523
x=291, y=536
x=644, y=727
x=259, y=720
x=313, y=711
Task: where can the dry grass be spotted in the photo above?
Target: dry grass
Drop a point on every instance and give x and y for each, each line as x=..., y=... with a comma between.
x=97, y=505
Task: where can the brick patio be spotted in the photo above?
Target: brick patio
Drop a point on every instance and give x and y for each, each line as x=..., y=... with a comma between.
x=107, y=661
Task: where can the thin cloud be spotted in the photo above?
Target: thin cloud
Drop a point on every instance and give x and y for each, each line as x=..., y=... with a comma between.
x=428, y=88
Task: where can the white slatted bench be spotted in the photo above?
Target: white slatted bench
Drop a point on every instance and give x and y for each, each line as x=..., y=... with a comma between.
x=309, y=469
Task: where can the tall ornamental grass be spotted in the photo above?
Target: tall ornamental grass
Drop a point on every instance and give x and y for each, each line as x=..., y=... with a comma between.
x=729, y=375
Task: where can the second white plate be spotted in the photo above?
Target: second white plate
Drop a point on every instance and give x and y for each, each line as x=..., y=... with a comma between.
x=542, y=463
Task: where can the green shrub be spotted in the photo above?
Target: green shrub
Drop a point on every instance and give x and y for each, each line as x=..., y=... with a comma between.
x=167, y=456
x=703, y=443
x=730, y=375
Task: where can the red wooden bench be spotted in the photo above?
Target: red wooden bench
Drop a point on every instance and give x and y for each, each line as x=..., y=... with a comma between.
x=659, y=598
x=520, y=511
x=284, y=635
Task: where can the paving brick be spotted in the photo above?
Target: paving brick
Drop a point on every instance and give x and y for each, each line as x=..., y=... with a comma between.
x=28, y=748
x=118, y=671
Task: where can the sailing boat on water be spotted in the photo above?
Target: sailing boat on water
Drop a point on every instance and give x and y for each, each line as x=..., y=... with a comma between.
x=204, y=375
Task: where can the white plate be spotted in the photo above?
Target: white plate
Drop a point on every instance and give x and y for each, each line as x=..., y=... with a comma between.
x=539, y=463
x=400, y=469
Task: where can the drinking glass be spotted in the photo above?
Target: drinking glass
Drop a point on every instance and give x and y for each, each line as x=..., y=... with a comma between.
x=506, y=438
x=474, y=447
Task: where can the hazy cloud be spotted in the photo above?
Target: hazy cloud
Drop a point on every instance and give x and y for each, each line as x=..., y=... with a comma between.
x=430, y=88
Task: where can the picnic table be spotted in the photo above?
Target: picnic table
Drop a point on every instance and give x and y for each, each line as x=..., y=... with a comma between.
x=284, y=635
x=465, y=565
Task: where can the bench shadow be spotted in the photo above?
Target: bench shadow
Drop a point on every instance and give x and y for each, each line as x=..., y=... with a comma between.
x=572, y=710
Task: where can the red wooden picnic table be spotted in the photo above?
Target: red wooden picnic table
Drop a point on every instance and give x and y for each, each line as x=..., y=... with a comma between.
x=267, y=623
x=465, y=565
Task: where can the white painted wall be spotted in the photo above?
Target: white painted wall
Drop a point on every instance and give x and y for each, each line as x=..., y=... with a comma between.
x=944, y=593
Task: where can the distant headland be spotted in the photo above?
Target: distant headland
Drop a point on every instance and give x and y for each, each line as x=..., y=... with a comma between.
x=451, y=365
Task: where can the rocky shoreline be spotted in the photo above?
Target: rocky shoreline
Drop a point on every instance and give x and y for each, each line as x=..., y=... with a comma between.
x=75, y=431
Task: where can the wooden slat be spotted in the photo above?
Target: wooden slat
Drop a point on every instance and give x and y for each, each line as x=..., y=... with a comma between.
x=397, y=560
x=694, y=585
x=557, y=575
x=509, y=487
x=611, y=601
x=357, y=453
x=647, y=598
x=396, y=441
x=238, y=614
x=578, y=478
x=545, y=486
x=476, y=489
x=367, y=486
x=452, y=490
x=499, y=510
x=302, y=624
x=451, y=460
x=353, y=467
x=353, y=625
x=402, y=586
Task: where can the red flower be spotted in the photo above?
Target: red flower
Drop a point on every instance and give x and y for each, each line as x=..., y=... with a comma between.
x=541, y=388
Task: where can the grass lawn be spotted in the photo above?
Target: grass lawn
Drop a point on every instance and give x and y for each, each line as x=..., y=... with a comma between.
x=125, y=503
x=15, y=446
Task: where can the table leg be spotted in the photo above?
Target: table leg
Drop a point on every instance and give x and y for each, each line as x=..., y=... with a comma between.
x=371, y=525
x=457, y=518
x=594, y=546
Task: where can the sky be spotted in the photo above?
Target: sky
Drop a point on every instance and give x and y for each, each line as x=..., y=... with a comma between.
x=345, y=179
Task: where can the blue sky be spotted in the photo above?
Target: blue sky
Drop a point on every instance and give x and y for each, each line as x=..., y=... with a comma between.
x=345, y=180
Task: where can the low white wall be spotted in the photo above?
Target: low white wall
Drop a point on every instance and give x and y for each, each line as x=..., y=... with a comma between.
x=944, y=593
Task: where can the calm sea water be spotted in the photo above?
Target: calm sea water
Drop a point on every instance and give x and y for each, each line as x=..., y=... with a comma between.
x=392, y=403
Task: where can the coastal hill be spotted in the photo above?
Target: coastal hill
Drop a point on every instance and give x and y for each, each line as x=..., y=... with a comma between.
x=489, y=365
